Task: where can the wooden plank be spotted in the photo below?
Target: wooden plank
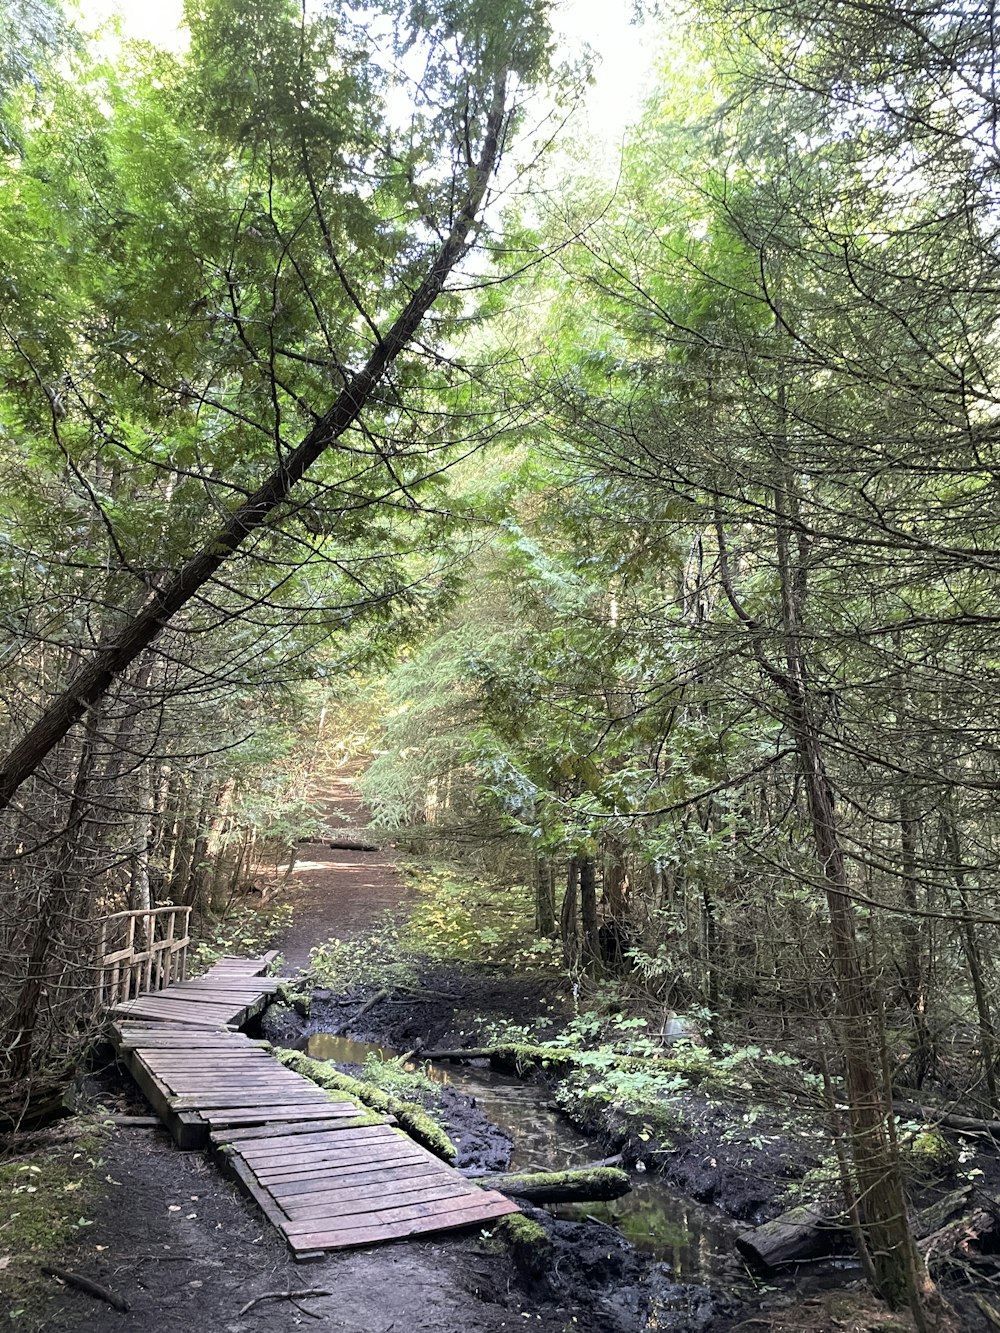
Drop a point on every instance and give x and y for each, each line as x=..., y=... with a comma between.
x=358, y=1175
x=283, y=1180
x=161, y=1036
x=409, y=1222
x=293, y=1158
x=246, y=1117
x=373, y=1199
x=260, y=1099
x=346, y=1143
x=267, y=1133
x=361, y=1186
x=267, y=1205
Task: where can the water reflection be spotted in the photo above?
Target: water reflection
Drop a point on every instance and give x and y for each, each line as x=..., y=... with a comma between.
x=695, y=1241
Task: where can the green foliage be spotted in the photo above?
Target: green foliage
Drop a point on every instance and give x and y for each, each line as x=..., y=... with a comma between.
x=397, y=1081
x=460, y=916
x=377, y=957
x=244, y=931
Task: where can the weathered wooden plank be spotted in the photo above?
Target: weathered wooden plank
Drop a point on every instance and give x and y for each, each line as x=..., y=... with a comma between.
x=294, y=1161
x=283, y=1179
x=329, y=1238
x=375, y=1199
x=250, y=1099
x=270, y=1152
x=354, y=1176
x=253, y=1134
x=245, y=1117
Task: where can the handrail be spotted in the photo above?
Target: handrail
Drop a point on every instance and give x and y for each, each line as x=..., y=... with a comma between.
x=148, y=953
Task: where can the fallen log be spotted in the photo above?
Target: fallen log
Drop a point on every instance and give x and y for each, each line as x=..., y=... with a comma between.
x=959, y=1240
x=465, y=1053
x=340, y=844
x=377, y=998
x=932, y=1219
x=805, y=1232
x=580, y=1186
x=967, y=1122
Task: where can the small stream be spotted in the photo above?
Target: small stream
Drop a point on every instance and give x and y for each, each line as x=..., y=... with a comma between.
x=697, y=1242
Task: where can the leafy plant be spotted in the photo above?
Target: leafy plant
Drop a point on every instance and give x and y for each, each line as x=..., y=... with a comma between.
x=244, y=931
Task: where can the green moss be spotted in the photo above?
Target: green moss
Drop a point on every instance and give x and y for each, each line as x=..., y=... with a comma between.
x=927, y=1152
x=517, y=1229
x=528, y=1242
x=293, y=996
x=45, y=1201
x=412, y=1118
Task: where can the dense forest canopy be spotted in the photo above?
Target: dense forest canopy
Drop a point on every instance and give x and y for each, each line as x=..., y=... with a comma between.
x=647, y=531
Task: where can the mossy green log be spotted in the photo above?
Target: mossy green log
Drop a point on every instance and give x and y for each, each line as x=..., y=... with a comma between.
x=411, y=1117
x=590, y=1183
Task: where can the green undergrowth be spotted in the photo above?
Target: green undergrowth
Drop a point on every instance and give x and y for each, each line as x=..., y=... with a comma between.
x=242, y=931
x=397, y=1081
x=46, y=1202
x=414, y=1119
x=342, y=965
x=460, y=917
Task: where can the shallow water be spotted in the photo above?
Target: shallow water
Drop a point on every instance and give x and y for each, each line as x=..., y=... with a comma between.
x=697, y=1242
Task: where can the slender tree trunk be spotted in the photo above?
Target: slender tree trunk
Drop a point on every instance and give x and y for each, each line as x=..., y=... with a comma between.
x=591, y=954
x=914, y=985
x=545, y=897
x=973, y=958
x=569, y=916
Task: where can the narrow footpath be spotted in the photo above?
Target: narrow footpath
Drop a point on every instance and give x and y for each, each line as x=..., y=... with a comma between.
x=340, y=893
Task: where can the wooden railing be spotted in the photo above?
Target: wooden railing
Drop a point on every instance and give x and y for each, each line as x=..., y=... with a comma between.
x=141, y=951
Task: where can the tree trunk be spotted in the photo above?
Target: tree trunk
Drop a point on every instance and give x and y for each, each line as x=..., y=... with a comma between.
x=591, y=953
x=545, y=897
x=569, y=927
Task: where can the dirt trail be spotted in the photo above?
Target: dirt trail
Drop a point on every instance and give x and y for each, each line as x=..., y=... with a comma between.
x=340, y=894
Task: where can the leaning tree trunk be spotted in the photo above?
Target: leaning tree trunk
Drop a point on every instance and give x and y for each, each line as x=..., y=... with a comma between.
x=93, y=680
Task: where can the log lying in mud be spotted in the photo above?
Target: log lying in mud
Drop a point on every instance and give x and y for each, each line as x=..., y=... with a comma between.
x=340, y=844
x=963, y=1241
x=806, y=1232
x=377, y=998
x=580, y=1186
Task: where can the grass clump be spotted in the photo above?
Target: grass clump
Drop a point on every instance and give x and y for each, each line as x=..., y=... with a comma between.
x=45, y=1199
x=342, y=965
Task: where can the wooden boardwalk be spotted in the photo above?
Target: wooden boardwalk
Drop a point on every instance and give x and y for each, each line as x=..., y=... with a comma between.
x=326, y=1172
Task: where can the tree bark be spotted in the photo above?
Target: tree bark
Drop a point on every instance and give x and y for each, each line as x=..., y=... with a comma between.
x=588, y=914
x=569, y=929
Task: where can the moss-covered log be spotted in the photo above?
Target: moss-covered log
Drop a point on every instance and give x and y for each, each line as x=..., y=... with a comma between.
x=805, y=1232
x=410, y=1117
x=583, y=1186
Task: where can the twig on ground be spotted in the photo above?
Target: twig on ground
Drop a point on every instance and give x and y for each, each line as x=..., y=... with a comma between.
x=87, y=1285
x=294, y=1296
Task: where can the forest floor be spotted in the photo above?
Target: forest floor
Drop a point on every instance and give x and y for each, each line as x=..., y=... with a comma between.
x=169, y=1234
